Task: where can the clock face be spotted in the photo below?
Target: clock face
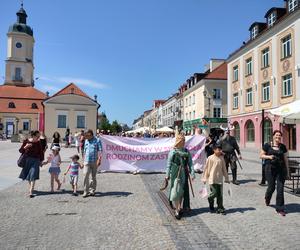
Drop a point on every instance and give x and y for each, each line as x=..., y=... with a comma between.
x=19, y=45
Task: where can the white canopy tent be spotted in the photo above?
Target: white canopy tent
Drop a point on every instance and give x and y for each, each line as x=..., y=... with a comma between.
x=138, y=130
x=288, y=113
x=164, y=130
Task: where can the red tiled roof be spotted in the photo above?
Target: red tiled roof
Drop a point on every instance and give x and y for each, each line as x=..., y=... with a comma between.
x=71, y=89
x=8, y=91
x=21, y=106
x=218, y=73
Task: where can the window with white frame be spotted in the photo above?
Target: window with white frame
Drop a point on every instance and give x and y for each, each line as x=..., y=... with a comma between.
x=62, y=121
x=194, y=114
x=217, y=93
x=80, y=121
x=254, y=32
x=190, y=101
x=235, y=101
x=217, y=112
x=249, y=97
x=25, y=125
x=287, y=83
x=249, y=66
x=186, y=116
x=292, y=5
x=271, y=19
x=186, y=102
x=194, y=99
x=265, y=58
x=266, y=92
x=235, y=73
x=190, y=115
x=286, y=47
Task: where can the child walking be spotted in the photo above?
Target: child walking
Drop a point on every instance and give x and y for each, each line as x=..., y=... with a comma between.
x=214, y=171
x=54, y=168
x=74, y=172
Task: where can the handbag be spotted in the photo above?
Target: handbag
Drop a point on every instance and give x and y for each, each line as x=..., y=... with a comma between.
x=22, y=160
x=177, y=189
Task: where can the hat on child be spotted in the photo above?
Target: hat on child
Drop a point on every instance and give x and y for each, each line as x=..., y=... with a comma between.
x=55, y=148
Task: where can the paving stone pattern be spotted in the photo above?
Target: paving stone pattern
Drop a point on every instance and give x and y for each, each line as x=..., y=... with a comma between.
x=127, y=213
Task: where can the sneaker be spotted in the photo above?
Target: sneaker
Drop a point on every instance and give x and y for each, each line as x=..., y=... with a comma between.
x=235, y=182
x=262, y=184
x=92, y=193
x=177, y=215
x=31, y=196
x=74, y=194
x=85, y=195
x=281, y=212
x=221, y=211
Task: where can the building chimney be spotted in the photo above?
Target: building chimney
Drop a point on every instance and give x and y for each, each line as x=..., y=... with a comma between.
x=214, y=63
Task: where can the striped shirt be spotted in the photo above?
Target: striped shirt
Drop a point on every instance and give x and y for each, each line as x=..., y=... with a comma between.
x=74, y=168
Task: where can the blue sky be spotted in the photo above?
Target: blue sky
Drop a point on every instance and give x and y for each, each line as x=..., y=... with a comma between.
x=129, y=52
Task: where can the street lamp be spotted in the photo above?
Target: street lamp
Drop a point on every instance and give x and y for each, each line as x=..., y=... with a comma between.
x=207, y=96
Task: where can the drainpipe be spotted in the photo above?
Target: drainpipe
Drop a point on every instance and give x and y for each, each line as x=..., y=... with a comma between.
x=263, y=127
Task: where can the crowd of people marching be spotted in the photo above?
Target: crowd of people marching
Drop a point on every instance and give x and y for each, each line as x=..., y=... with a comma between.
x=222, y=153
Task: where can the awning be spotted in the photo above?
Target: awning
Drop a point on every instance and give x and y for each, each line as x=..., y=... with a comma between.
x=288, y=113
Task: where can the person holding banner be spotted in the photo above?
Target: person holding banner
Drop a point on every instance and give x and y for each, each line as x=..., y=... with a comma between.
x=179, y=168
x=92, y=160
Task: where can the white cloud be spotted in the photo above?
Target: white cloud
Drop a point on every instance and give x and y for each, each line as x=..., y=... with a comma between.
x=83, y=82
x=78, y=81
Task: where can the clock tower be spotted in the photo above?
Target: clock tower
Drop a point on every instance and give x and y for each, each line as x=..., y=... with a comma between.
x=19, y=62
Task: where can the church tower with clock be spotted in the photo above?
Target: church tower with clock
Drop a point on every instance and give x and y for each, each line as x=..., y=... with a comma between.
x=19, y=62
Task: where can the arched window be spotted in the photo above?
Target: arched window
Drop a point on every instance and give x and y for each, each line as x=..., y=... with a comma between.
x=268, y=130
x=250, y=130
x=236, y=131
x=34, y=106
x=11, y=105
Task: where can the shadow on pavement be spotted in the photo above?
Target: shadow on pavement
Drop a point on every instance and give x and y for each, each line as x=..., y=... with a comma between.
x=246, y=181
x=239, y=210
x=196, y=211
x=114, y=193
x=62, y=191
x=292, y=208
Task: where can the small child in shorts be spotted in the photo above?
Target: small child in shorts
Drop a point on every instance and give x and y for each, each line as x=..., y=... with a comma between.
x=74, y=171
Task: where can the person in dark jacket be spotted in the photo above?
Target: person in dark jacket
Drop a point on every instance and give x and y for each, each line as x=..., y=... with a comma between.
x=34, y=154
x=277, y=170
x=230, y=149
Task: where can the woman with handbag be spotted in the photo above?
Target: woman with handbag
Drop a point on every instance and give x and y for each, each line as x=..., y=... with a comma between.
x=179, y=167
x=277, y=170
x=33, y=151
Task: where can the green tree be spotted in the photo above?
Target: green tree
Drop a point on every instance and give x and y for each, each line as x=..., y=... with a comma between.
x=104, y=122
x=116, y=127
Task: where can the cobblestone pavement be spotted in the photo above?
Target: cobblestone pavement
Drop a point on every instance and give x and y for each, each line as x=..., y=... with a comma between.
x=127, y=213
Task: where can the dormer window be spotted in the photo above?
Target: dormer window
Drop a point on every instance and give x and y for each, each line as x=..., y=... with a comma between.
x=271, y=19
x=254, y=32
x=11, y=105
x=34, y=106
x=292, y=5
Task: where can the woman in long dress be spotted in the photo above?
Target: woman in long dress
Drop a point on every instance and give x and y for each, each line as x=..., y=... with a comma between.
x=179, y=165
x=34, y=154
